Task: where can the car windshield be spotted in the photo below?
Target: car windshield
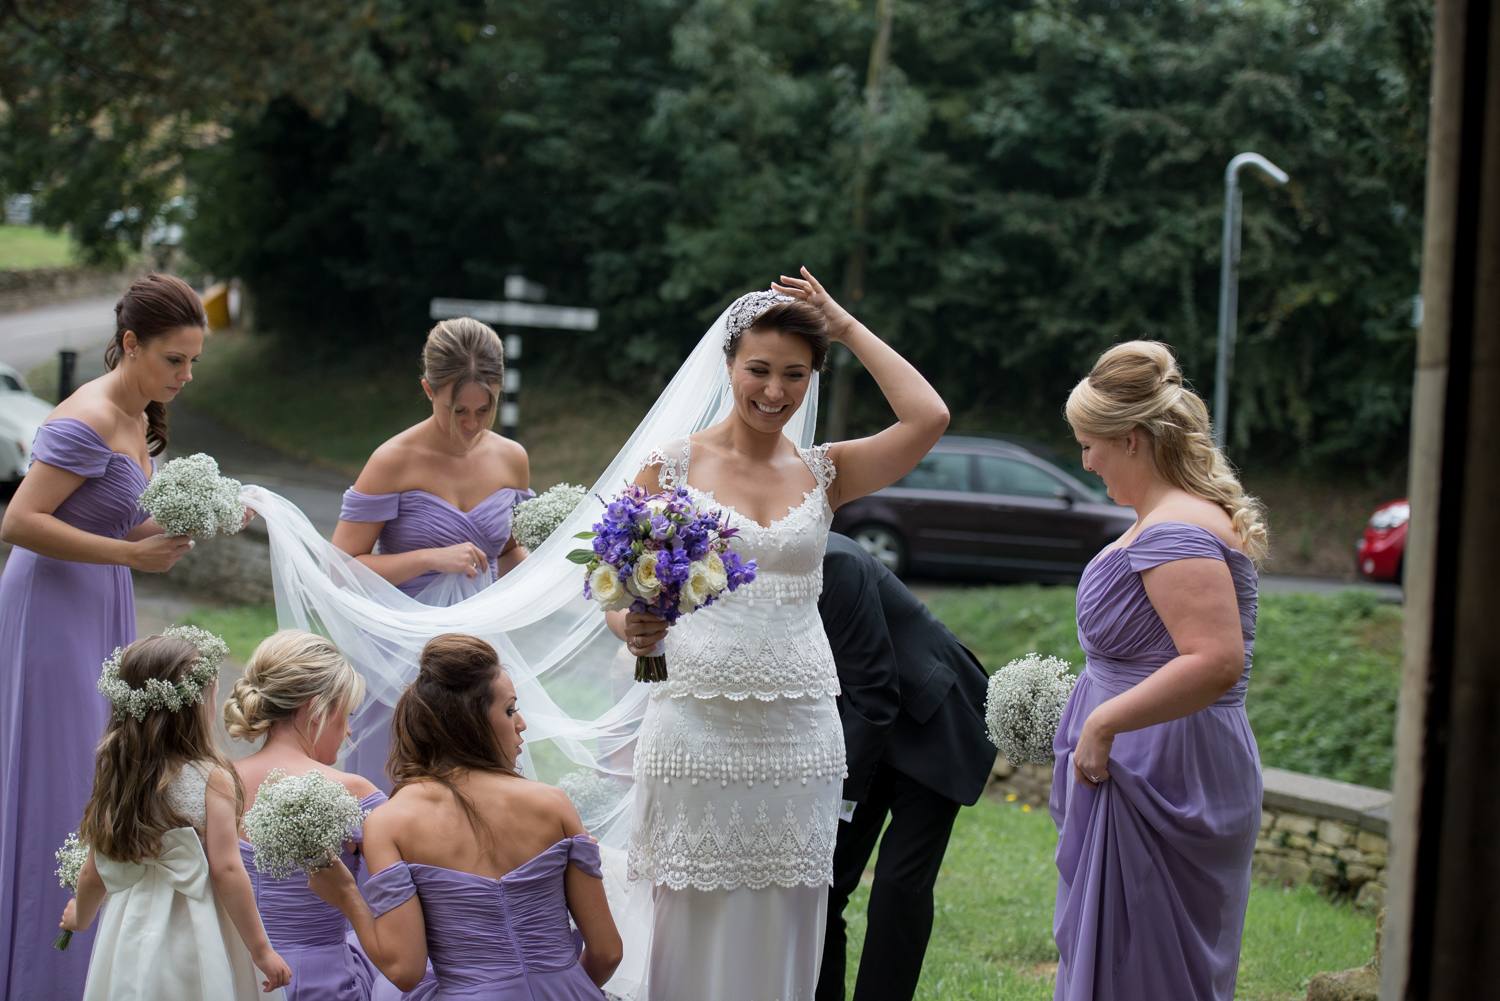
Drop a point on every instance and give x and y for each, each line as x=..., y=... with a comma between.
x=11, y=383
x=939, y=471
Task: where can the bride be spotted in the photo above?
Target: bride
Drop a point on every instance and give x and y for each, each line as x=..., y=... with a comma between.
x=740, y=757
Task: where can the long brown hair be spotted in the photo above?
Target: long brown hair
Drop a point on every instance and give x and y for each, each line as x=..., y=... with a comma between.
x=151, y=307
x=441, y=725
x=461, y=352
x=1137, y=386
x=128, y=811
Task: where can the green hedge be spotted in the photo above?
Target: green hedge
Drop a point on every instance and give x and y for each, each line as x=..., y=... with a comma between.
x=1322, y=695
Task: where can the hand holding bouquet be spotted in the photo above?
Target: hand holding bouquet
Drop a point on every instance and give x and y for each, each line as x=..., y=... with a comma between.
x=70, y=859
x=659, y=553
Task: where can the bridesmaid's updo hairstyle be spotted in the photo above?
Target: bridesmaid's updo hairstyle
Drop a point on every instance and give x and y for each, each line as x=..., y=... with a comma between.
x=128, y=811
x=291, y=669
x=796, y=318
x=1137, y=386
x=441, y=725
x=153, y=306
x=462, y=352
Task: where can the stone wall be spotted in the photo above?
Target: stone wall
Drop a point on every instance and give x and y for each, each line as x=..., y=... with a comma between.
x=36, y=287
x=229, y=568
x=1330, y=834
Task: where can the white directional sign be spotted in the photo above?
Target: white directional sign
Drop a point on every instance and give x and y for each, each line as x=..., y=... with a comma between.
x=516, y=314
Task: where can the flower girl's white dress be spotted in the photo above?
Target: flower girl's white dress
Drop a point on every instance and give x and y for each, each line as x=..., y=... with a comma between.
x=162, y=935
x=740, y=768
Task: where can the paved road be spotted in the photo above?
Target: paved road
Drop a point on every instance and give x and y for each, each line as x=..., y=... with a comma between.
x=30, y=337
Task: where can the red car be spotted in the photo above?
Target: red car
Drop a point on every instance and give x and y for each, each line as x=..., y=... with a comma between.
x=1380, y=549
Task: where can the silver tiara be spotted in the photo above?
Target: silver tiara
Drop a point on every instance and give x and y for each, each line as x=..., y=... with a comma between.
x=159, y=694
x=747, y=307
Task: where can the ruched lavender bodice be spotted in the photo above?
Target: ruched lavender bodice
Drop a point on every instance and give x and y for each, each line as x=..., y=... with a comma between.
x=416, y=519
x=1121, y=634
x=59, y=620
x=1154, y=864
x=505, y=939
x=106, y=503
x=313, y=937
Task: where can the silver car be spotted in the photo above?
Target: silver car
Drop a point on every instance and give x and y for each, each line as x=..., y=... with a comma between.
x=21, y=414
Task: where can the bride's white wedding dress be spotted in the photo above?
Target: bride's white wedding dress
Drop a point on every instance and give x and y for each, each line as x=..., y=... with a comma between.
x=739, y=768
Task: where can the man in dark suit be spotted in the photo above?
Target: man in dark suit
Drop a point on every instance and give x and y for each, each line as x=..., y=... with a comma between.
x=912, y=705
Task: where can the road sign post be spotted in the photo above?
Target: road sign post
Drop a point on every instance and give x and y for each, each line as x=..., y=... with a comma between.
x=520, y=308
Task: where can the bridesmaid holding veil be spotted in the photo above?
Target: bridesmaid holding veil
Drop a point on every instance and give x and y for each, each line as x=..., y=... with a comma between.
x=431, y=510
x=66, y=603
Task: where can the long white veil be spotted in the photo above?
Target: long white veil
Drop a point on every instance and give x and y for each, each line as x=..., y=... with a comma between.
x=573, y=679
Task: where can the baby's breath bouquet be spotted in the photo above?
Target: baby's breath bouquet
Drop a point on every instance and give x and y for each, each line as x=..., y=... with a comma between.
x=70, y=859
x=187, y=496
x=300, y=822
x=1025, y=705
x=535, y=519
x=593, y=795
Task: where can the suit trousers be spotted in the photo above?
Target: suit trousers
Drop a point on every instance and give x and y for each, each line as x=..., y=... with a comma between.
x=899, y=917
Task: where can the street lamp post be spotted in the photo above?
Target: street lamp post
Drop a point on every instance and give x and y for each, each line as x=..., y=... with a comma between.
x=1229, y=283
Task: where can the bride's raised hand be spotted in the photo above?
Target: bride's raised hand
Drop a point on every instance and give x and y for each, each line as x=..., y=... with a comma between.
x=811, y=291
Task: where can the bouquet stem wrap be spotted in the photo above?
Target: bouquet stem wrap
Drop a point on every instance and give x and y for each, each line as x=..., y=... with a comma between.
x=652, y=666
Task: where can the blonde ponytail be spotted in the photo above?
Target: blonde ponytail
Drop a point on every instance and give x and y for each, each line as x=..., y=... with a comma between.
x=1137, y=386
x=289, y=670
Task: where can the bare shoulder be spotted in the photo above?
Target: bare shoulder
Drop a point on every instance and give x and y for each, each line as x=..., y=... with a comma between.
x=510, y=459
x=1191, y=510
x=89, y=405
x=358, y=786
x=220, y=782
x=383, y=470
x=550, y=803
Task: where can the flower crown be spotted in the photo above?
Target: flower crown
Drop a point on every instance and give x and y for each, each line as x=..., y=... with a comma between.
x=747, y=307
x=169, y=695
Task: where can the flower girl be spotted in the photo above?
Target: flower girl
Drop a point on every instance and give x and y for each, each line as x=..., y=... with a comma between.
x=162, y=824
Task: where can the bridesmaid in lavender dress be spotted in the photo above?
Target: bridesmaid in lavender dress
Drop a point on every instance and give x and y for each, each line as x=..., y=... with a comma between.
x=296, y=695
x=66, y=603
x=475, y=866
x=1157, y=787
x=431, y=510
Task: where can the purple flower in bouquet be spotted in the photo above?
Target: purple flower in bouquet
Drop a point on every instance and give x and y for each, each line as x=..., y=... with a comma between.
x=659, y=553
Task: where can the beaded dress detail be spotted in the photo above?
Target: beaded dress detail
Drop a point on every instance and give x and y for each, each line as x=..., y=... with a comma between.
x=740, y=763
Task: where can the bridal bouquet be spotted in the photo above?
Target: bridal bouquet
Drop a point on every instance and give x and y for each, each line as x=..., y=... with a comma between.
x=1024, y=707
x=187, y=496
x=534, y=520
x=659, y=553
x=70, y=859
x=300, y=822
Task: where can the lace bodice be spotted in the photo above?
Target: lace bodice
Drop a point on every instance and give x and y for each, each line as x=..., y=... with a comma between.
x=765, y=640
x=187, y=793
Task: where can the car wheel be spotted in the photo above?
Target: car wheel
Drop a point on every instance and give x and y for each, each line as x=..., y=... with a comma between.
x=885, y=544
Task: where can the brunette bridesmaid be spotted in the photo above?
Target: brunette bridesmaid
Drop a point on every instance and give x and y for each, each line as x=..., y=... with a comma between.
x=66, y=604
x=431, y=510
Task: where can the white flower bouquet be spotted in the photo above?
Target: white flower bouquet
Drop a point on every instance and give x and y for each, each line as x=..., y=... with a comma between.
x=593, y=795
x=534, y=520
x=1024, y=707
x=300, y=822
x=187, y=496
x=70, y=859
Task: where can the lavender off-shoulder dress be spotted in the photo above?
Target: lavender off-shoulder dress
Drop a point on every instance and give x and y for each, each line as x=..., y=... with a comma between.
x=505, y=939
x=1154, y=865
x=313, y=937
x=414, y=520
x=59, y=620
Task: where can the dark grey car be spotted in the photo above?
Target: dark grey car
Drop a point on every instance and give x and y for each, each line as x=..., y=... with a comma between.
x=980, y=507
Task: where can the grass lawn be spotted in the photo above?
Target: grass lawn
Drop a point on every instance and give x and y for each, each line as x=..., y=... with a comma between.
x=25, y=247
x=992, y=934
x=1322, y=697
x=338, y=419
x=242, y=626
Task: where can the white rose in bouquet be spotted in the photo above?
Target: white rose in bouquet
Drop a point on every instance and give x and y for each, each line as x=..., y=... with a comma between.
x=1025, y=705
x=696, y=590
x=643, y=580
x=606, y=589
x=718, y=576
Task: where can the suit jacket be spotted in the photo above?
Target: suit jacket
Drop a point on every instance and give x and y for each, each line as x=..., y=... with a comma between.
x=912, y=694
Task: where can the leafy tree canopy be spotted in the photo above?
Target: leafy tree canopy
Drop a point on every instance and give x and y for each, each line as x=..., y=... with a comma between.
x=1041, y=178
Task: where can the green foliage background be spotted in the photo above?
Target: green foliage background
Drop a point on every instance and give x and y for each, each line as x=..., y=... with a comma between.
x=1045, y=178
